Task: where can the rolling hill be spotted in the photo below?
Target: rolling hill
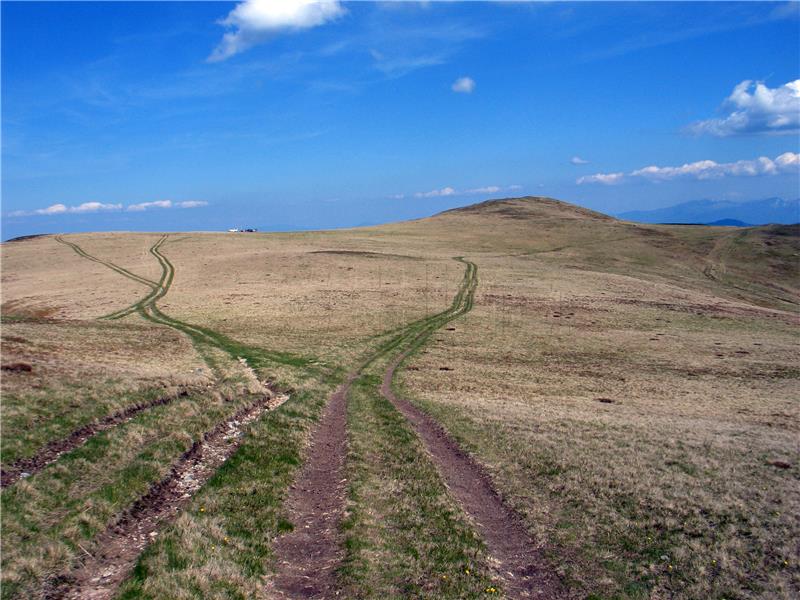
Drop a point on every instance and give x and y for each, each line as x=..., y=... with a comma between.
x=518, y=397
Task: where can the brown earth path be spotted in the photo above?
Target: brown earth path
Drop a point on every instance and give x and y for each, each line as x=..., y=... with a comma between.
x=306, y=558
x=101, y=573
x=519, y=560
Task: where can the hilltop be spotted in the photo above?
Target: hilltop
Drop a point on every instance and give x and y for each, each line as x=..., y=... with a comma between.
x=529, y=208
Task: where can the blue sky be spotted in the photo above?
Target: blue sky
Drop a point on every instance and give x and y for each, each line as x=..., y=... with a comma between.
x=143, y=116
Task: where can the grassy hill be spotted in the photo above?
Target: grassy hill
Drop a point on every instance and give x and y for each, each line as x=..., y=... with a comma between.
x=628, y=390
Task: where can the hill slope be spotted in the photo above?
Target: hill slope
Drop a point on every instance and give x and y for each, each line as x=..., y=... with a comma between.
x=627, y=390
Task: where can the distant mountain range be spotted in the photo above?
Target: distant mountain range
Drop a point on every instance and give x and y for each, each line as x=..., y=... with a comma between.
x=722, y=212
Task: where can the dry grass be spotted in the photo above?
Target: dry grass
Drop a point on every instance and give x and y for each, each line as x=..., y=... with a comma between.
x=82, y=370
x=42, y=278
x=665, y=491
x=662, y=489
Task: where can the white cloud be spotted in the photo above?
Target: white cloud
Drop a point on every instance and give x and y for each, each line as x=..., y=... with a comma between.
x=463, y=85
x=451, y=191
x=445, y=191
x=788, y=162
x=91, y=207
x=145, y=205
x=604, y=178
x=166, y=204
x=577, y=160
x=60, y=209
x=52, y=210
x=88, y=207
x=253, y=21
x=489, y=189
x=754, y=108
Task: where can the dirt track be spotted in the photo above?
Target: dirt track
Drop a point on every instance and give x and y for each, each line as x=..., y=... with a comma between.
x=309, y=554
x=520, y=563
x=77, y=438
x=119, y=546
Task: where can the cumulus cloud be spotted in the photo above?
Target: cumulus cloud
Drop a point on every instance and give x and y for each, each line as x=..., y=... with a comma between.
x=577, y=160
x=754, y=108
x=253, y=21
x=92, y=207
x=451, y=191
x=59, y=209
x=788, y=162
x=145, y=205
x=52, y=210
x=166, y=204
x=89, y=207
x=489, y=189
x=463, y=85
x=604, y=178
x=445, y=191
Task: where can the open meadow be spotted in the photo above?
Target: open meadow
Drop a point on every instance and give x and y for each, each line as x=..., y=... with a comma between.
x=521, y=398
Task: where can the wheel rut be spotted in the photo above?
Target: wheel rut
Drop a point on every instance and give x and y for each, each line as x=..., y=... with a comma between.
x=53, y=450
x=117, y=548
x=308, y=556
x=518, y=559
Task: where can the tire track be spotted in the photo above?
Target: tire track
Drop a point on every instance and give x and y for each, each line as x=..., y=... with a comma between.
x=117, y=549
x=307, y=557
x=154, y=286
x=55, y=448
x=200, y=336
x=119, y=546
x=519, y=560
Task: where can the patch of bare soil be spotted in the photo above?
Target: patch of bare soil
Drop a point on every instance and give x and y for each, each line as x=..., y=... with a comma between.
x=719, y=309
x=101, y=573
x=17, y=367
x=519, y=560
x=364, y=254
x=307, y=556
x=26, y=467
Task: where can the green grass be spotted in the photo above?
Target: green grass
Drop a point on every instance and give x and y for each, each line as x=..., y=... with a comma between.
x=36, y=417
x=404, y=535
x=47, y=517
x=225, y=550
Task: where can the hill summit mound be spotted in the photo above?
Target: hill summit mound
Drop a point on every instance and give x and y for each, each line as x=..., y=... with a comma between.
x=529, y=207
